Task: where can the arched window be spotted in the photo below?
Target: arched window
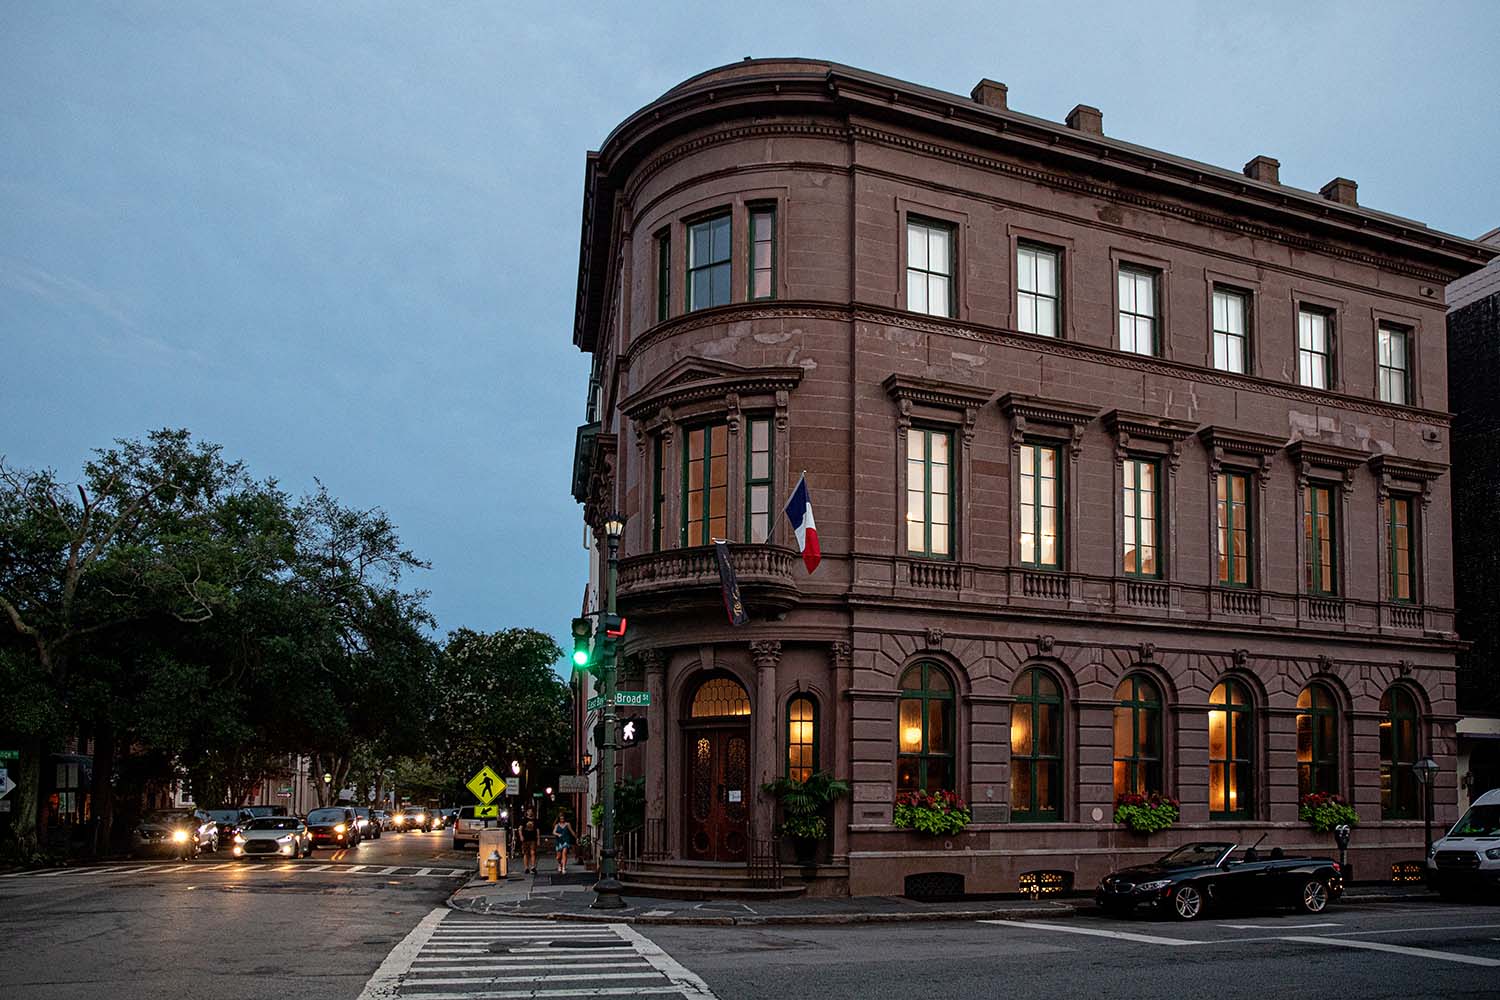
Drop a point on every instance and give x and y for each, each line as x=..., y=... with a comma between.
x=1036, y=748
x=925, y=730
x=801, y=737
x=1317, y=741
x=1138, y=738
x=720, y=696
x=1231, y=777
x=1398, y=751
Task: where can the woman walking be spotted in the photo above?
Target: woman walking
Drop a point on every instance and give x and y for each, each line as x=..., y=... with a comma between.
x=530, y=834
x=563, y=832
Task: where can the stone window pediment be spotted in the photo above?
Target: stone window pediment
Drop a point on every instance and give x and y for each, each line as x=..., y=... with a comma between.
x=1226, y=446
x=1393, y=473
x=1142, y=432
x=1310, y=458
x=1046, y=417
x=927, y=398
x=698, y=380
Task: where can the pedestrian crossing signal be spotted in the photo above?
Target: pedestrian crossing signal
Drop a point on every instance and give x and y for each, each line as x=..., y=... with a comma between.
x=633, y=730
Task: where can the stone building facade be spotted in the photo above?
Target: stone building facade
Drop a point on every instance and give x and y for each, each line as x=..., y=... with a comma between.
x=1130, y=474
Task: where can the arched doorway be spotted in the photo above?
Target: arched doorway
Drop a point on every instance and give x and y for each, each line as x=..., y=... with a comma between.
x=716, y=773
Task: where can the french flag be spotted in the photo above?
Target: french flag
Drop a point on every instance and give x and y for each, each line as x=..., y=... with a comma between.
x=799, y=512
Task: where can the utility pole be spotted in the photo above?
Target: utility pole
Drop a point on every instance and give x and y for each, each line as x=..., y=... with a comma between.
x=607, y=889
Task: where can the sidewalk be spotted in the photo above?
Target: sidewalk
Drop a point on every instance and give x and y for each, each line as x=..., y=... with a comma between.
x=545, y=896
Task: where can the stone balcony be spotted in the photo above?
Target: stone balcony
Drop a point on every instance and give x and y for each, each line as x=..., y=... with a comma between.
x=683, y=579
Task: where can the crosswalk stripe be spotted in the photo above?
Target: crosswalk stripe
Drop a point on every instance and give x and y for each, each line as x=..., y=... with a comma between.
x=597, y=991
x=391, y=870
x=554, y=978
x=530, y=963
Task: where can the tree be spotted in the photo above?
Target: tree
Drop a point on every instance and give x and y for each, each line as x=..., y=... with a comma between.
x=500, y=699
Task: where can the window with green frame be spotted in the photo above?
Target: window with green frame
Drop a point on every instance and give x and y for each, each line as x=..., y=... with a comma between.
x=1399, y=536
x=1394, y=364
x=762, y=277
x=1231, y=745
x=1234, y=535
x=705, y=484
x=663, y=275
x=1317, y=741
x=924, y=730
x=708, y=244
x=758, y=454
x=1036, y=748
x=658, y=493
x=1320, y=561
x=1137, y=737
x=1141, y=503
x=1041, y=506
x=801, y=737
x=929, y=492
x=1398, y=752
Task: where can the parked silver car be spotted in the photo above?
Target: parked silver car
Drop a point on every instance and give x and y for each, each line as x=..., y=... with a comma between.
x=273, y=836
x=182, y=833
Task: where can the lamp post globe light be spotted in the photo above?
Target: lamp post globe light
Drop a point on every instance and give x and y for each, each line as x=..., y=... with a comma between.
x=1425, y=771
x=515, y=768
x=607, y=889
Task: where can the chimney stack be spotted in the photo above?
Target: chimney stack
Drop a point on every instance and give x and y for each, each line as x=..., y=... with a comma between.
x=1342, y=190
x=1086, y=119
x=990, y=93
x=1264, y=168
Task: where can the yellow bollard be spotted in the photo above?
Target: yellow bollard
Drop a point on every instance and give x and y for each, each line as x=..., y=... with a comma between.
x=492, y=866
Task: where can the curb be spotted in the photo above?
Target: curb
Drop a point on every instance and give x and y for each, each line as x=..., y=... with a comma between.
x=1057, y=911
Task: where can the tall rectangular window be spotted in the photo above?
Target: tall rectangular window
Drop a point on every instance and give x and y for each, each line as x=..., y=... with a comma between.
x=762, y=283
x=663, y=275
x=929, y=267
x=1138, y=312
x=1141, y=502
x=658, y=494
x=929, y=492
x=1231, y=326
x=1314, y=349
x=1234, y=529
x=1394, y=365
x=1041, y=501
x=708, y=263
x=1037, y=296
x=758, y=480
x=1399, y=530
x=1318, y=525
x=705, y=485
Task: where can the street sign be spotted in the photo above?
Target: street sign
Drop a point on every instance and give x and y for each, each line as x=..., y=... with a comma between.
x=486, y=785
x=486, y=812
x=5, y=783
x=628, y=699
x=512, y=786
x=570, y=784
x=10, y=755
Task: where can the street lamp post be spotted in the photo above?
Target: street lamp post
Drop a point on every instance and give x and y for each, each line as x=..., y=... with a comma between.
x=1426, y=770
x=607, y=889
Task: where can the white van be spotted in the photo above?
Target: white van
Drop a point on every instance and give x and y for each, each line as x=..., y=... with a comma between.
x=1468, y=857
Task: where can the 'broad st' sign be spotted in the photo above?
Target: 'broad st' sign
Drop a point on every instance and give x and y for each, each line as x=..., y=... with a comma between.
x=627, y=699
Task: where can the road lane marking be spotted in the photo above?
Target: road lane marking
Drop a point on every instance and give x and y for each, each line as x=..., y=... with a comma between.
x=530, y=955
x=1396, y=949
x=530, y=963
x=551, y=978
x=1418, y=928
x=385, y=983
x=1276, y=927
x=318, y=868
x=423, y=871
x=685, y=980
x=583, y=991
x=1097, y=932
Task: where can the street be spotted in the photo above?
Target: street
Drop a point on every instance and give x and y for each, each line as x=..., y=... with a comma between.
x=371, y=922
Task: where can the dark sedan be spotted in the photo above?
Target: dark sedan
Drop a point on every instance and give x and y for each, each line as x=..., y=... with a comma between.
x=333, y=826
x=182, y=833
x=1198, y=876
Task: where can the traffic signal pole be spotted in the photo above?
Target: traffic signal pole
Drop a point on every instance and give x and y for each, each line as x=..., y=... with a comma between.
x=607, y=889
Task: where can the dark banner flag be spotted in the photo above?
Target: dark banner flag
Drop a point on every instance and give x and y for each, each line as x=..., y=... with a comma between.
x=733, y=606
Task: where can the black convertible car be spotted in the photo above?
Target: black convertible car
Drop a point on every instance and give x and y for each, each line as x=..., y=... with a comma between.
x=1195, y=877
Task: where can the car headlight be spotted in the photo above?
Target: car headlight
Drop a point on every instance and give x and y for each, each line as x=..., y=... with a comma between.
x=339, y=828
x=1153, y=886
x=180, y=836
x=284, y=840
x=1493, y=854
x=1432, y=851
x=239, y=838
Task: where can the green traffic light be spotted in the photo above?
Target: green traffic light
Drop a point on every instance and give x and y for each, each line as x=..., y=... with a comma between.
x=580, y=657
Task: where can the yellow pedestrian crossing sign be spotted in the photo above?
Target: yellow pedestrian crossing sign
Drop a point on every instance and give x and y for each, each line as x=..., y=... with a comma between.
x=487, y=786
x=486, y=812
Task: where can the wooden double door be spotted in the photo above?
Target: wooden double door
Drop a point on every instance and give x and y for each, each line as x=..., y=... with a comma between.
x=716, y=793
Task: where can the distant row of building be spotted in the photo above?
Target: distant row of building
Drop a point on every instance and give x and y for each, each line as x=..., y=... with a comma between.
x=1131, y=475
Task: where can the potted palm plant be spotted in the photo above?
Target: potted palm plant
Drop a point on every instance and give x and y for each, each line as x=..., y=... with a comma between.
x=803, y=808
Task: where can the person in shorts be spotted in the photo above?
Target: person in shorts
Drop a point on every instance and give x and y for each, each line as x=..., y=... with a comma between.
x=530, y=834
x=563, y=834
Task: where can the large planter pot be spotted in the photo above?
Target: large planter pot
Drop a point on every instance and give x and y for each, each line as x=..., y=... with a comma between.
x=805, y=850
